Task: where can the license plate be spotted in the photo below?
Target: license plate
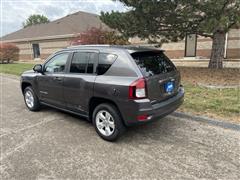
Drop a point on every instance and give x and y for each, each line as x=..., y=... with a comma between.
x=169, y=86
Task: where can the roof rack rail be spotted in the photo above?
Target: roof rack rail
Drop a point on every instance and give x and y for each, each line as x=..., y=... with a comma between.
x=103, y=45
x=149, y=46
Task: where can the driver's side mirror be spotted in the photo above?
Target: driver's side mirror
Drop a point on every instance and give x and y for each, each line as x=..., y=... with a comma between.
x=38, y=68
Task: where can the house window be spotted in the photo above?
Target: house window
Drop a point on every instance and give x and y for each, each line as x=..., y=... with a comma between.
x=190, y=45
x=36, y=50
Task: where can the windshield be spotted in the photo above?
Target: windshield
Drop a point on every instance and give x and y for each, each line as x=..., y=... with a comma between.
x=153, y=63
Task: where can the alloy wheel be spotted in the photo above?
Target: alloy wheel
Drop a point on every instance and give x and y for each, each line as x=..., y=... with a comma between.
x=105, y=123
x=29, y=99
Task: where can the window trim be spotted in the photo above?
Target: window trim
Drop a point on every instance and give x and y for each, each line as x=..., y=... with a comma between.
x=48, y=60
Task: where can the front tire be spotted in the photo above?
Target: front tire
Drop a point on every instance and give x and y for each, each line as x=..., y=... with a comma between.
x=107, y=122
x=30, y=99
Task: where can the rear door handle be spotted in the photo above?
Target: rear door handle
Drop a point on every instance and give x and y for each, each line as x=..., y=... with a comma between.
x=58, y=78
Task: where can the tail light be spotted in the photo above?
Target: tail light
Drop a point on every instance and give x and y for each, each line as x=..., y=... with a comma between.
x=142, y=117
x=138, y=90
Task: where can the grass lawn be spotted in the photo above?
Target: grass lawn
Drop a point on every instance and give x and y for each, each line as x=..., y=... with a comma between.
x=216, y=103
x=16, y=68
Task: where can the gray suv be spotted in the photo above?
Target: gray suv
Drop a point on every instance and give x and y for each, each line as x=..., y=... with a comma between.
x=112, y=86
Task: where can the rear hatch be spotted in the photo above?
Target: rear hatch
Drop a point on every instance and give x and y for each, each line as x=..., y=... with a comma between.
x=162, y=77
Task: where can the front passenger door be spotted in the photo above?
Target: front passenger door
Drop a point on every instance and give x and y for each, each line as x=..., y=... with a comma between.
x=50, y=83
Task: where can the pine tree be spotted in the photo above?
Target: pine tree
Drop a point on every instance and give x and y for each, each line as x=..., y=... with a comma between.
x=170, y=20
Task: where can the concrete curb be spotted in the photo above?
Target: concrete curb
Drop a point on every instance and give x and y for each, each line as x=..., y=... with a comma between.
x=214, y=122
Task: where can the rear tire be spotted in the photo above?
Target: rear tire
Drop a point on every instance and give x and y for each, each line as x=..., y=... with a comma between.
x=108, y=122
x=31, y=99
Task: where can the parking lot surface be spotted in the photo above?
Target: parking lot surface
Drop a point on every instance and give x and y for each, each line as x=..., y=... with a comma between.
x=51, y=144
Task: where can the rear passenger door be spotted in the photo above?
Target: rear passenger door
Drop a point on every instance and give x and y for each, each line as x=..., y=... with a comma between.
x=79, y=80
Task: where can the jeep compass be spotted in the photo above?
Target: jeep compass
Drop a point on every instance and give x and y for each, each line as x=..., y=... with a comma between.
x=112, y=86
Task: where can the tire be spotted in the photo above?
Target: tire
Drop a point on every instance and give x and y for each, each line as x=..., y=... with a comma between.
x=30, y=99
x=107, y=125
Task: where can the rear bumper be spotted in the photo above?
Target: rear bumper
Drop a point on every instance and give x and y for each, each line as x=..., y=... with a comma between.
x=154, y=112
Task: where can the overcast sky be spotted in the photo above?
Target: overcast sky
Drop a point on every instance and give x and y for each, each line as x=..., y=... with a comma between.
x=14, y=12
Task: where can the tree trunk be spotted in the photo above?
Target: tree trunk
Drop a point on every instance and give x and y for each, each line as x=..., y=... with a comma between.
x=218, y=49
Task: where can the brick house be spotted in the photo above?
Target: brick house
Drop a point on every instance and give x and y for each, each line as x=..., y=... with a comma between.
x=39, y=41
x=197, y=47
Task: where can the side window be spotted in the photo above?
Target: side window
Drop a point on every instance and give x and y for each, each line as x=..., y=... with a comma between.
x=93, y=57
x=105, y=62
x=79, y=62
x=57, y=63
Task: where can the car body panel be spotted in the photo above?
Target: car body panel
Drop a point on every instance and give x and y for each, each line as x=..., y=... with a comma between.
x=156, y=89
x=50, y=88
x=78, y=89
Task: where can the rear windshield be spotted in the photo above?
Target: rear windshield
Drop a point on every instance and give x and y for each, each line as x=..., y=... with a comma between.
x=153, y=63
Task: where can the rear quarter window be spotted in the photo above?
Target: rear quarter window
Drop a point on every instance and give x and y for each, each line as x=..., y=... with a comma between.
x=105, y=62
x=153, y=63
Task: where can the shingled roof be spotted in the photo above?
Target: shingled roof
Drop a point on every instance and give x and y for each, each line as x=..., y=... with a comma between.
x=67, y=26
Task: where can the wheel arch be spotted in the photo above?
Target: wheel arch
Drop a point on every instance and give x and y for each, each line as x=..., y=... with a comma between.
x=24, y=85
x=95, y=101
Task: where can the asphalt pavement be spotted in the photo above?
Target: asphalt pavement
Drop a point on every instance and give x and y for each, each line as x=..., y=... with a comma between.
x=51, y=144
